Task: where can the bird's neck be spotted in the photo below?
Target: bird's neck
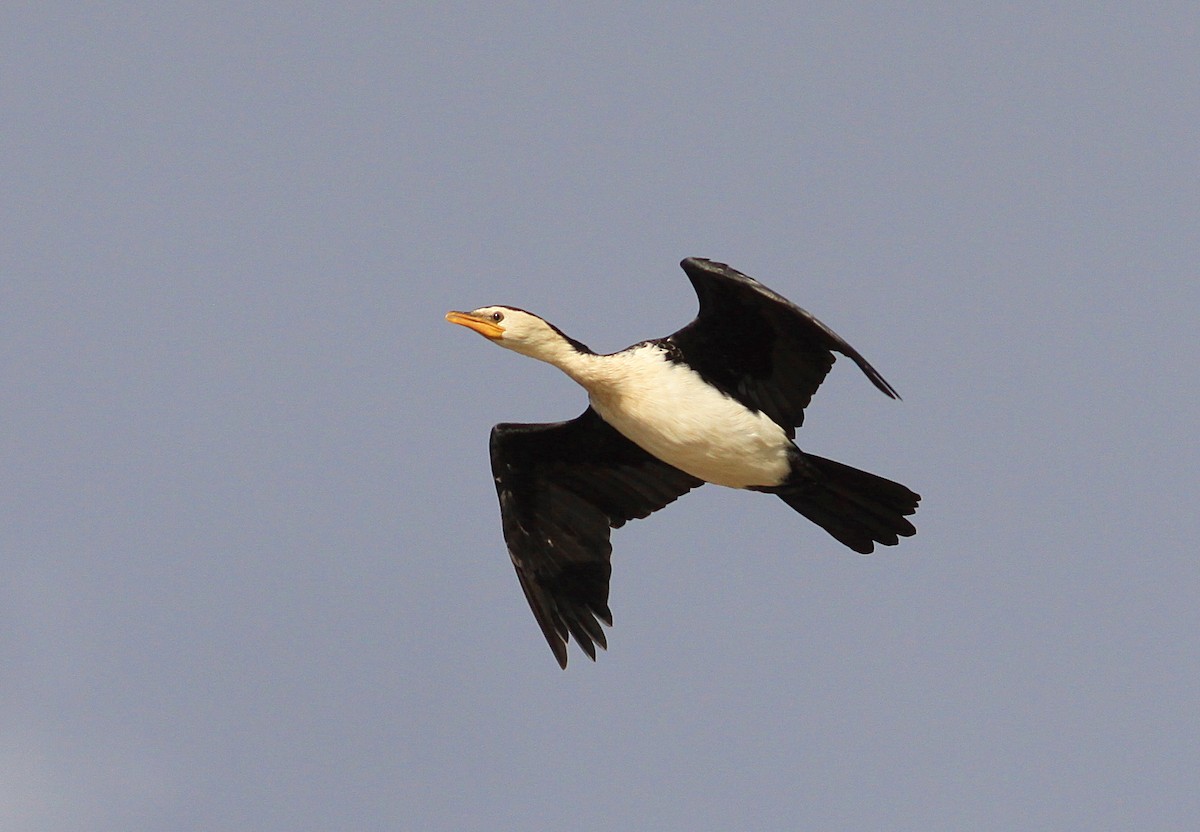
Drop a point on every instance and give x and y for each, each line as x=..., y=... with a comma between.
x=577, y=361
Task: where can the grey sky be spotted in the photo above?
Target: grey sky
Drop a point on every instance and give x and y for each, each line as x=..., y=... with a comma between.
x=253, y=572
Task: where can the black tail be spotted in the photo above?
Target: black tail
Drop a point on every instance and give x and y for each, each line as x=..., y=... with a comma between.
x=857, y=508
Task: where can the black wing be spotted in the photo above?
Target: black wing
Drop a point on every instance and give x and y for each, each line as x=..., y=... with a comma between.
x=757, y=346
x=562, y=486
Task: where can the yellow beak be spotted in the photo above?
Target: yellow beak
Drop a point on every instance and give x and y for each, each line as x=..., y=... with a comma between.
x=484, y=326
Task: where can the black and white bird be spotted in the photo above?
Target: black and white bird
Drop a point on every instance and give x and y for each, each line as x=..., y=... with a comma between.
x=718, y=402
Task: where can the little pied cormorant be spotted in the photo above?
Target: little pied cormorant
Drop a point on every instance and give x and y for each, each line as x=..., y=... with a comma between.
x=718, y=401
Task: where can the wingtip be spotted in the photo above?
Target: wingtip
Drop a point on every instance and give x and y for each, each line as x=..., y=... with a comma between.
x=888, y=390
x=587, y=642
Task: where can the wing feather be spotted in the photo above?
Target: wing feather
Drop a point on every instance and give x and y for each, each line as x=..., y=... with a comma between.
x=562, y=487
x=758, y=346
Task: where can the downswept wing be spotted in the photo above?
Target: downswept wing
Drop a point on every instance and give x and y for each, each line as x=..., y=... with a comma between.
x=562, y=487
x=759, y=347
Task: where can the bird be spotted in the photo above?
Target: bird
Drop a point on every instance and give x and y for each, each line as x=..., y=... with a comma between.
x=717, y=402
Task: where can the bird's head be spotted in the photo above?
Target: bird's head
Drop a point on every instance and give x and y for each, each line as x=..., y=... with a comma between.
x=513, y=329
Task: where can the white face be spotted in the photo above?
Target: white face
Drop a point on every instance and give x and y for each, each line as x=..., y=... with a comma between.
x=511, y=328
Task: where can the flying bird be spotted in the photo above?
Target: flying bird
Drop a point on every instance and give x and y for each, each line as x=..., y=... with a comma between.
x=716, y=402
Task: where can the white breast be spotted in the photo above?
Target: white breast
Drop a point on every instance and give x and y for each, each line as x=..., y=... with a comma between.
x=669, y=411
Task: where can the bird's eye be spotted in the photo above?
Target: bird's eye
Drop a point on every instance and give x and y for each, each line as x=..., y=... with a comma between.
x=497, y=316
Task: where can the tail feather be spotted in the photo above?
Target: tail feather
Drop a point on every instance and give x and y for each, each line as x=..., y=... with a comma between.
x=859, y=509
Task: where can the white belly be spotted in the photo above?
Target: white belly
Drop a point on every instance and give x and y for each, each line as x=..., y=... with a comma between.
x=669, y=411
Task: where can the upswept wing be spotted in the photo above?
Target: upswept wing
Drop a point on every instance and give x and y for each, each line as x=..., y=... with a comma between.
x=562, y=487
x=759, y=347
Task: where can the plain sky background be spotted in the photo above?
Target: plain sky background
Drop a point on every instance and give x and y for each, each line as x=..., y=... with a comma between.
x=252, y=574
